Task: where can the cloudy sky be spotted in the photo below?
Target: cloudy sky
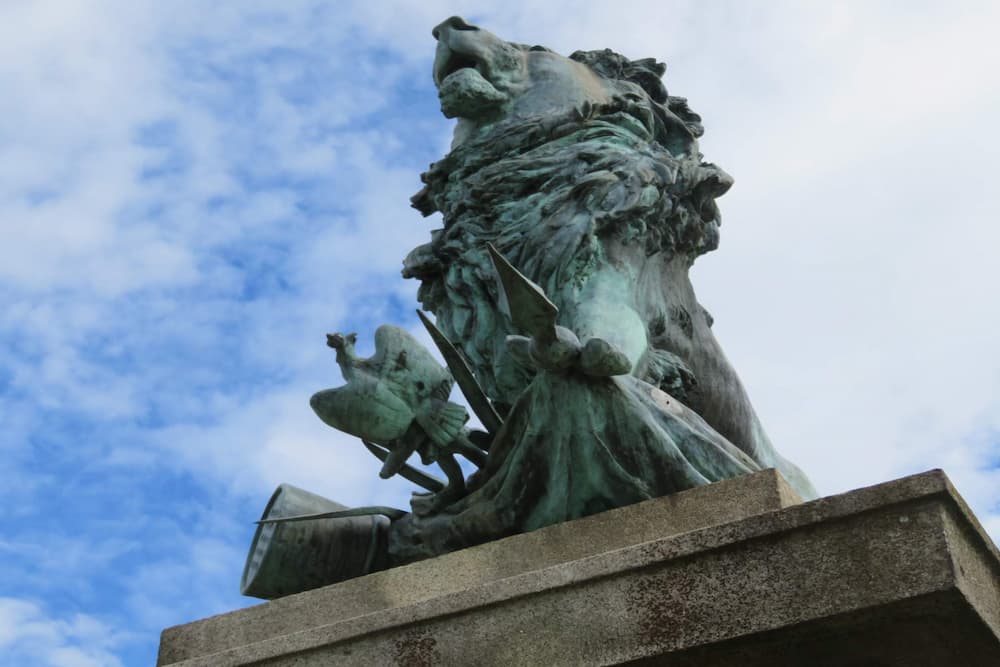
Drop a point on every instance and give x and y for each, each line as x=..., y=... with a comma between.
x=192, y=194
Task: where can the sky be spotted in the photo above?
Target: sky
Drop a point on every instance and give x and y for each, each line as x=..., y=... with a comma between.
x=192, y=194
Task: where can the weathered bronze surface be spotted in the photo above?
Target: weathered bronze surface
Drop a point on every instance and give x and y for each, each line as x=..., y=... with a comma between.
x=575, y=201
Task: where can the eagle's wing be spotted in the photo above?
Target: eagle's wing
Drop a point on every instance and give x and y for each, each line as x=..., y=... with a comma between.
x=366, y=408
x=404, y=364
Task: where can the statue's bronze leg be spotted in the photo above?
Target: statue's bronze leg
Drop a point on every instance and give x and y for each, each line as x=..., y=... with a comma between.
x=424, y=505
x=462, y=445
x=456, y=478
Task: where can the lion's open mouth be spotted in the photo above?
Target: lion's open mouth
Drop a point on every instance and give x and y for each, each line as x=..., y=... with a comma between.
x=447, y=62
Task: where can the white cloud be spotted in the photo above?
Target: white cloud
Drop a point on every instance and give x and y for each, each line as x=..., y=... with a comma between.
x=29, y=635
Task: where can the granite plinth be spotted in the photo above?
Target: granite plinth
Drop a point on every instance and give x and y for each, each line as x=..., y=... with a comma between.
x=734, y=573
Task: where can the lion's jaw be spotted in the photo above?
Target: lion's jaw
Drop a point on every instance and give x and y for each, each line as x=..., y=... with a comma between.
x=482, y=79
x=473, y=70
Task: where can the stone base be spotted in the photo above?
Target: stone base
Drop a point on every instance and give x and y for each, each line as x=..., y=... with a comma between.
x=734, y=573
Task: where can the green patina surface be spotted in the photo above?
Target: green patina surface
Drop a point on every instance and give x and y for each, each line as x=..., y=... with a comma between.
x=575, y=202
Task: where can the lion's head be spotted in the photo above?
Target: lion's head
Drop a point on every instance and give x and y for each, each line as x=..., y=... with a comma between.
x=587, y=123
x=483, y=80
x=567, y=165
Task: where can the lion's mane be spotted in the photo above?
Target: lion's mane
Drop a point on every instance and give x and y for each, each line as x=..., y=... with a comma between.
x=550, y=193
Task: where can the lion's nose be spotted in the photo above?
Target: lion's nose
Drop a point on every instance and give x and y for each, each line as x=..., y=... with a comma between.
x=453, y=23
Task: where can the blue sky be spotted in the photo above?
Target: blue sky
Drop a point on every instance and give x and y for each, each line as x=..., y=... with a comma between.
x=191, y=195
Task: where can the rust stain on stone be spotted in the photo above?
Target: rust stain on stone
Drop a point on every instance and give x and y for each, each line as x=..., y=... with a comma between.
x=654, y=609
x=415, y=649
x=667, y=612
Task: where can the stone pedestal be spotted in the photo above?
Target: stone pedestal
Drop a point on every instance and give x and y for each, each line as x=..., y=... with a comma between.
x=734, y=573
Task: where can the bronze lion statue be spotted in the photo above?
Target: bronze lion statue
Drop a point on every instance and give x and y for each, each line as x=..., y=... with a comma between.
x=585, y=174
